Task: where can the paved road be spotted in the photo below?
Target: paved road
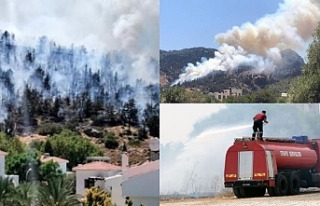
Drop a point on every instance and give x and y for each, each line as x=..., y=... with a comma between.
x=304, y=199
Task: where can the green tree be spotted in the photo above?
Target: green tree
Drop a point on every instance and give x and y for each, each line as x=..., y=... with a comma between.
x=264, y=96
x=6, y=191
x=153, y=125
x=306, y=88
x=49, y=170
x=25, y=194
x=71, y=146
x=173, y=95
x=11, y=145
x=130, y=113
x=111, y=141
x=48, y=147
x=178, y=94
x=57, y=192
x=20, y=163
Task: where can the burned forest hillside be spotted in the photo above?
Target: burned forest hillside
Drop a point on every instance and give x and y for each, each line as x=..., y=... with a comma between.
x=173, y=63
x=47, y=89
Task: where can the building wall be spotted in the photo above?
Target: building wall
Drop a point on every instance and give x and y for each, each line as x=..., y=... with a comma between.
x=14, y=179
x=144, y=185
x=63, y=167
x=2, y=165
x=82, y=175
x=113, y=184
x=226, y=93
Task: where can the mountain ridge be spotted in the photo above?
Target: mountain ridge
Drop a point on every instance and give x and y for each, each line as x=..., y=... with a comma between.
x=173, y=62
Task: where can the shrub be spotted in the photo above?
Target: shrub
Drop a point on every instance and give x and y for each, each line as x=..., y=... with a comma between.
x=111, y=141
x=134, y=142
x=95, y=197
x=50, y=129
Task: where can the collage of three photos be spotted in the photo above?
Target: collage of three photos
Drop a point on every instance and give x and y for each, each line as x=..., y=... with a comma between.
x=159, y=102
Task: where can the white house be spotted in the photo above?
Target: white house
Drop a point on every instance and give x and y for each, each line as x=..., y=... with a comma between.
x=62, y=162
x=141, y=184
x=113, y=185
x=14, y=179
x=2, y=163
x=97, y=170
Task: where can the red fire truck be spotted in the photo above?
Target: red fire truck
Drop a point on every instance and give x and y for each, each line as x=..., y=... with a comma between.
x=279, y=165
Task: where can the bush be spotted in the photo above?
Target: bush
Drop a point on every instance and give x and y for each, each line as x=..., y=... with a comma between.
x=37, y=144
x=95, y=197
x=50, y=129
x=134, y=142
x=111, y=141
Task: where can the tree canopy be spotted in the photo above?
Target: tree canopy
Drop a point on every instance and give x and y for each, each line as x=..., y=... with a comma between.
x=305, y=89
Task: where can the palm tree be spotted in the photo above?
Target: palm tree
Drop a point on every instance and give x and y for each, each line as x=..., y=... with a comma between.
x=6, y=191
x=25, y=194
x=57, y=191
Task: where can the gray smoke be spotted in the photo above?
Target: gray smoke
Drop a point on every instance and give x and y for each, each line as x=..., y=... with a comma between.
x=259, y=44
x=69, y=38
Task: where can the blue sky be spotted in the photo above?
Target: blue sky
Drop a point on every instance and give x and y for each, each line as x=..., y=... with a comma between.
x=194, y=23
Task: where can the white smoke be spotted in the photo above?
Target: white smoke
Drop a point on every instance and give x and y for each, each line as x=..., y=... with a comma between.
x=207, y=151
x=259, y=44
x=97, y=24
x=126, y=32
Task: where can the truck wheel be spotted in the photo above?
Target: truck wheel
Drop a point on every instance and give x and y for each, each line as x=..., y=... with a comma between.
x=236, y=192
x=271, y=191
x=259, y=192
x=282, y=185
x=294, y=184
x=245, y=192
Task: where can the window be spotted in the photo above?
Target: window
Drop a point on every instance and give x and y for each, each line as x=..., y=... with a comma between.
x=88, y=183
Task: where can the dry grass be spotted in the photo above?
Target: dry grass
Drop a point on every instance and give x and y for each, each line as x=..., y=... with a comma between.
x=28, y=139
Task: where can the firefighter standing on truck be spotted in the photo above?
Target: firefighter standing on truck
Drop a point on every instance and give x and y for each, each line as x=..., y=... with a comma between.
x=258, y=120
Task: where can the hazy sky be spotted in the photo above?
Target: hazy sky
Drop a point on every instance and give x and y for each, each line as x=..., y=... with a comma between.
x=198, y=135
x=194, y=23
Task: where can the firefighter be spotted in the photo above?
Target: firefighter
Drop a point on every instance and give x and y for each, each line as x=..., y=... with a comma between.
x=258, y=121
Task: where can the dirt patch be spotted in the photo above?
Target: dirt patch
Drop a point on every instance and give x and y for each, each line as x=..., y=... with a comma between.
x=309, y=197
x=30, y=138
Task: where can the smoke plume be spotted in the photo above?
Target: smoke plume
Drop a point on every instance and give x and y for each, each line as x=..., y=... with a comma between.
x=259, y=44
x=75, y=46
x=103, y=25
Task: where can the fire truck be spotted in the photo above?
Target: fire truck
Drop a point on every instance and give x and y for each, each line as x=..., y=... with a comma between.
x=280, y=166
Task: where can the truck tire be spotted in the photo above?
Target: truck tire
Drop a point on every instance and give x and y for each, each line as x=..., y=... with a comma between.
x=271, y=191
x=259, y=192
x=294, y=184
x=236, y=192
x=246, y=192
x=282, y=185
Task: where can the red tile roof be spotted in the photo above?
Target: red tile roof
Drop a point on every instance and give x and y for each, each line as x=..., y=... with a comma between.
x=103, y=166
x=141, y=169
x=54, y=159
x=3, y=153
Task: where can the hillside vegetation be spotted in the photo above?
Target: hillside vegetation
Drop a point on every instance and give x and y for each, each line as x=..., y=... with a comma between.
x=59, y=100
